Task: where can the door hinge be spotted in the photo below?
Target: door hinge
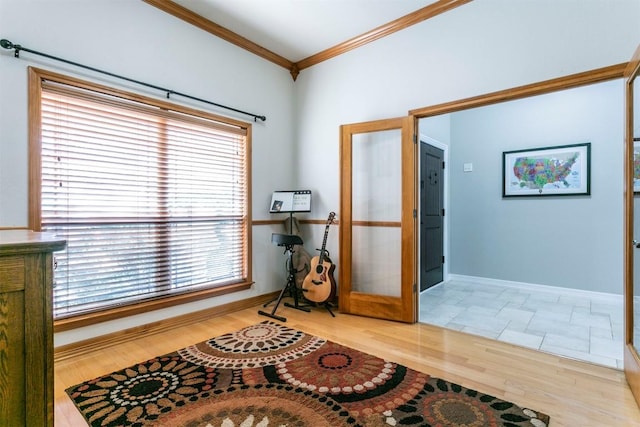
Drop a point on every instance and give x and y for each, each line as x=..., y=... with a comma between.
x=415, y=138
x=443, y=259
x=442, y=165
x=415, y=213
x=442, y=212
x=415, y=288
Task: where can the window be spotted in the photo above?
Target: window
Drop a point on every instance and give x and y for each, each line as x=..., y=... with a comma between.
x=151, y=197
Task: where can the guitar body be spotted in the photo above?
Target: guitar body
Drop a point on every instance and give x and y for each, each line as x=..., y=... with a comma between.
x=320, y=285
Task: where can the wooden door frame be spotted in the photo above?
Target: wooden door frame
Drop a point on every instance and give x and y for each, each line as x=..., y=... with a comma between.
x=600, y=75
x=403, y=308
x=574, y=80
x=548, y=86
x=631, y=358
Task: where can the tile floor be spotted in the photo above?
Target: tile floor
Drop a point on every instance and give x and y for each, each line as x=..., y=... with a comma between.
x=587, y=327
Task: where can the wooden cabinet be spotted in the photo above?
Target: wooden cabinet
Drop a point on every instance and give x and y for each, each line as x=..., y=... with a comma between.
x=26, y=328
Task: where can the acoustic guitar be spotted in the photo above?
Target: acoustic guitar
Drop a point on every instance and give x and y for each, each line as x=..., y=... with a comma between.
x=319, y=285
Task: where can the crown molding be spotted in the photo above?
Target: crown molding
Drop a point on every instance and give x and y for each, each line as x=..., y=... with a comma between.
x=294, y=68
x=540, y=88
x=193, y=18
x=401, y=23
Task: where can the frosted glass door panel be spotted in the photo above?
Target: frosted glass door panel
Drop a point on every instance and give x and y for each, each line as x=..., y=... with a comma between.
x=377, y=167
x=376, y=260
x=377, y=212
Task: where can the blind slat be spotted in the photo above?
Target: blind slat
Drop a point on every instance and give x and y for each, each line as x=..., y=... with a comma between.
x=151, y=202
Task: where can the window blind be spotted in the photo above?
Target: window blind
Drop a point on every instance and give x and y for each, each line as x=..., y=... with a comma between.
x=152, y=202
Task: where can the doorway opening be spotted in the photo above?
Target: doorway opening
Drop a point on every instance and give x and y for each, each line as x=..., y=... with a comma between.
x=526, y=270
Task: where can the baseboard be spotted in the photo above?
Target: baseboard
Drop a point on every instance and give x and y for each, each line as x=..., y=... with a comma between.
x=102, y=342
x=601, y=296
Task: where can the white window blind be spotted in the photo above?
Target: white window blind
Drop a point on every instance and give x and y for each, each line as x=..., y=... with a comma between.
x=152, y=202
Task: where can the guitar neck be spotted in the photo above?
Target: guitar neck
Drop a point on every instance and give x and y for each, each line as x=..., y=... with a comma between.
x=324, y=245
x=323, y=251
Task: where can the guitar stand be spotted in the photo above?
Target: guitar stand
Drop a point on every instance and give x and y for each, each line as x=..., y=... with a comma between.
x=328, y=306
x=288, y=241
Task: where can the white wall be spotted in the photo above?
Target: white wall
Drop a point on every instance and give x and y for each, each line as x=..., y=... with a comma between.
x=484, y=46
x=481, y=47
x=139, y=41
x=566, y=241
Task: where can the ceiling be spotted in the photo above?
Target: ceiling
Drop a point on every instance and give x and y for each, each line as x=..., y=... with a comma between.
x=297, y=29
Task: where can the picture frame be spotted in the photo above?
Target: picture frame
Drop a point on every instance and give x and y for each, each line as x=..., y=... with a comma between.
x=563, y=170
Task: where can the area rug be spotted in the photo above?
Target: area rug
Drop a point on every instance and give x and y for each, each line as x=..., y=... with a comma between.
x=270, y=375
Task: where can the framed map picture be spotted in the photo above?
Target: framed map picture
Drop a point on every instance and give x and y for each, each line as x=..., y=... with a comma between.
x=551, y=171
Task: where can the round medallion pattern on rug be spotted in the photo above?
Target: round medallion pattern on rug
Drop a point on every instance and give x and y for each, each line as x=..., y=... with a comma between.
x=261, y=405
x=145, y=390
x=448, y=404
x=270, y=375
x=259, y=345
x=336, y=369
x=364, y=384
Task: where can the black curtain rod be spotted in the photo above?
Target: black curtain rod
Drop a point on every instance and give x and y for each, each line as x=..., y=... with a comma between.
x=6, y=44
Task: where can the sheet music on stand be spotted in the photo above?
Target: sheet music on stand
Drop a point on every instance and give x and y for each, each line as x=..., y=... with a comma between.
x=290, y=202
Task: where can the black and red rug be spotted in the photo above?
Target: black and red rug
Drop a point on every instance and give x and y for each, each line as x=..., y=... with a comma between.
x=270, y=375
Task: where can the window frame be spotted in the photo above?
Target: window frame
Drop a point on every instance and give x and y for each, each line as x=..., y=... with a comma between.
x=36, y=76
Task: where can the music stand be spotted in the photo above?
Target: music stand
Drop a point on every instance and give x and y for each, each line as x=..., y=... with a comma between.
x=288, y=241
x=290, y=201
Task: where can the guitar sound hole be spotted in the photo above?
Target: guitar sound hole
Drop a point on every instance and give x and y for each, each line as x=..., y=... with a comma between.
x=319, y=269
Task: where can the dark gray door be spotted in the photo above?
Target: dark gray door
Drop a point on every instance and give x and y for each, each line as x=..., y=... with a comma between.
x=431, y=215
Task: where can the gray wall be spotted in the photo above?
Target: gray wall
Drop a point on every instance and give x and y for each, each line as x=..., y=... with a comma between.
x=573, y=242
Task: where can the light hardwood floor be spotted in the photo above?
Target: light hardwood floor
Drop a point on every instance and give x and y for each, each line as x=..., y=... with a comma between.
x=573, y=393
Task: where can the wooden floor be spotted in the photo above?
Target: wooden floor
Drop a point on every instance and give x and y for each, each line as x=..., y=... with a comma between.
x=573, y=393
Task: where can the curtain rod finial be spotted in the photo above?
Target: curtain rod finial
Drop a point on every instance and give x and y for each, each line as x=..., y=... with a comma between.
x=6, y=44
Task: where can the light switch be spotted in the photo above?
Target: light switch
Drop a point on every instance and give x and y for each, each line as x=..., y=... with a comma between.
x=468, y=167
